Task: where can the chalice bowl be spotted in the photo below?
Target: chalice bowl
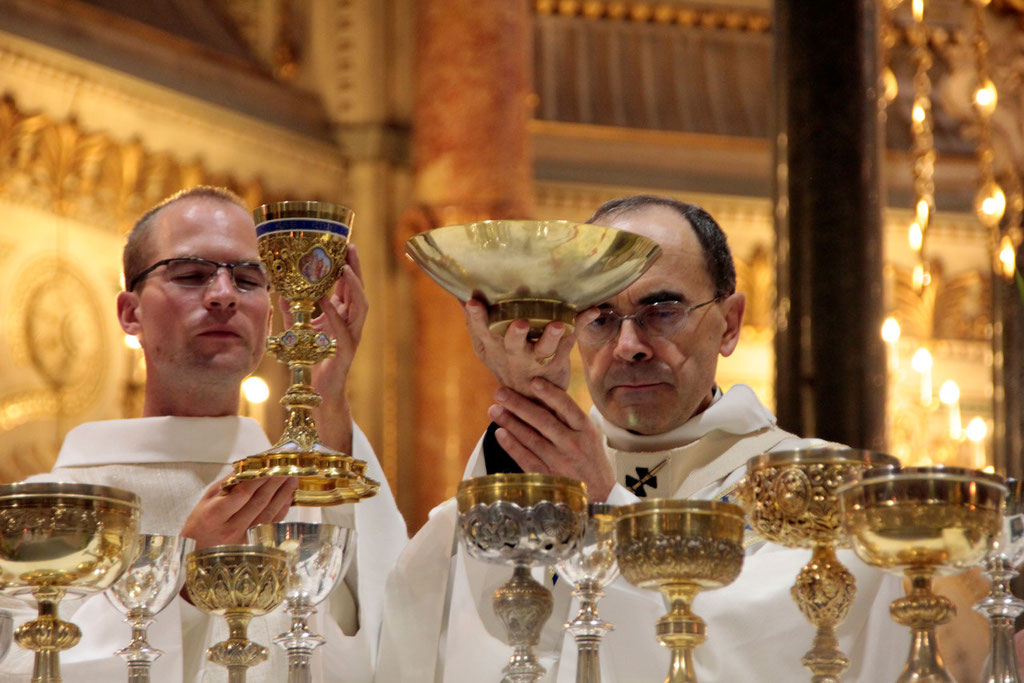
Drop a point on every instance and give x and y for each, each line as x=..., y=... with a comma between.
x=60, y=539
x=680, y=547
x=303, y=247
x=920, y=523
x=540, y=271
x=6, y=632
x=523, y=520
x=238, y=582
x=1001, y=606
x=145, y=588
x=791, y=499
x=318, y=555
x=590, y=571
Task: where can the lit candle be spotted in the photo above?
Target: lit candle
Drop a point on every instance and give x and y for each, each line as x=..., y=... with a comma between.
x=922, y=363
x=949, y=394
x=976, y=431
x=891, y=337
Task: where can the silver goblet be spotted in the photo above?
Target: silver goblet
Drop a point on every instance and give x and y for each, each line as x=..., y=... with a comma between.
x=146, y=588
x=1000, y=605
x=318, y=555
x=6, y=632
x=590, y=571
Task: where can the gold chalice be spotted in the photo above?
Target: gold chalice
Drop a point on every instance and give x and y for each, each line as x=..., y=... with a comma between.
x=303, y=247
x=920, y=523
x=680, y=547
x=60, y=539
x=790, y=497
x=522, y=520
x=540, y=271
x=239, y=582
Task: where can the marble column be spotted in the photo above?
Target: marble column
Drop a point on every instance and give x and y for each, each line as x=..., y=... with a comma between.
x=830, y=360
x=471, y=161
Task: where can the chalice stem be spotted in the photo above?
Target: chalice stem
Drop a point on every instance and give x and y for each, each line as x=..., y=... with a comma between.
x=824, y=591
x=588, y=660
x=298, y=666
x=1002, y=608
x=138, y=672
x=922, y=611
x=47, y=635
x=236, y=674
x=523, y=605
x=682, y=669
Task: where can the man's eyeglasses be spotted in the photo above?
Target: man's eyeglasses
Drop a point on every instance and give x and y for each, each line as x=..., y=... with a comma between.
x=247, y=276
x=660, y=319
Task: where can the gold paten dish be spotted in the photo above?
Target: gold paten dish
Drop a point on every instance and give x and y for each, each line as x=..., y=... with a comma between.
x=538, y=270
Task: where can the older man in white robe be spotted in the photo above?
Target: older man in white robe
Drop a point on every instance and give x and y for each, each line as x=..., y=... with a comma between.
x=660, y=427
x=197, y=300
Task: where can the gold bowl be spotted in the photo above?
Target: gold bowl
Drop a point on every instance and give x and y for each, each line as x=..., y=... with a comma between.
x=522, y=520
x=541, y=271
x=238, y=582
x=680, y=547
x=303, y=247
x=60, y=539
x=920, y=523
x=790, y=498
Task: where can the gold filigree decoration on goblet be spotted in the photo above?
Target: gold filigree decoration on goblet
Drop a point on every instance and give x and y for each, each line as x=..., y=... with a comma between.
x=540, y=271
x=60, y=539
x=238, y=582
x=303, y=247
x=923, y=522
x=680, y=547
x=522, y=520
x=790, y=497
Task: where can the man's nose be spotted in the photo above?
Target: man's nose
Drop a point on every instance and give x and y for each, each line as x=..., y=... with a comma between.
x=221, y=291
x=631, y=344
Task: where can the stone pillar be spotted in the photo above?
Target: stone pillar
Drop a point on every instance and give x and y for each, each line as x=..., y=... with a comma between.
x=830, y=360
x=471, y=161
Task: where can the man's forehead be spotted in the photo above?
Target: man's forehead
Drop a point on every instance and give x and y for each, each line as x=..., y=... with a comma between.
x=204, y=219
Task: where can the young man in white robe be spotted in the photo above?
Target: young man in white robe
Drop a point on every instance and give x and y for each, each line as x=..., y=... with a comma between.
x=203, y=329
x=649, y=356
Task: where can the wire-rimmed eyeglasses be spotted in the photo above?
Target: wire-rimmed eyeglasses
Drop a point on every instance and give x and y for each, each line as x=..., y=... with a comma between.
x=660, y=319
x=192, y=271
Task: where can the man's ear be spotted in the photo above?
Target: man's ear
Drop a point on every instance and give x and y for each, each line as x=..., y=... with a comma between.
x=732, y=309
x=128, y=312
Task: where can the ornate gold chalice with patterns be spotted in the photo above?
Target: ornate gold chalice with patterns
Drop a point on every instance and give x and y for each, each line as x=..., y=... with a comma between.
x=57, y=540
x=238, y=582
x=540, y=271
x=523, y=520
x=680, y=547
x=790, y=498
x=920, y=523
x=303, y=247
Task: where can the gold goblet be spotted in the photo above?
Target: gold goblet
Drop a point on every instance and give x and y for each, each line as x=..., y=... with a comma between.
x=522, y=520
x=239, y=582
x=540, y=271
x=923, y=522
x=680, y=547
x=60, y=539
x=303, y=247
x=790, y=497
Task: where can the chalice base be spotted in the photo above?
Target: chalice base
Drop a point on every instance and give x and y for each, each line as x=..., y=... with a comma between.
x=539, y=312
x=326, y=476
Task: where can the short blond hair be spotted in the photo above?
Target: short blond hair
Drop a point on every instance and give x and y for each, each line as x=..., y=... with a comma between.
x=134, y=258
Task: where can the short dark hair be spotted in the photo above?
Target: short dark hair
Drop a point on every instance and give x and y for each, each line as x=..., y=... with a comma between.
x=717, y=256
x=134, y=257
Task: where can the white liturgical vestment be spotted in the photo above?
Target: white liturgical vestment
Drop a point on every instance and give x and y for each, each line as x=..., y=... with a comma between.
x=169, y=462
x=439, y=624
